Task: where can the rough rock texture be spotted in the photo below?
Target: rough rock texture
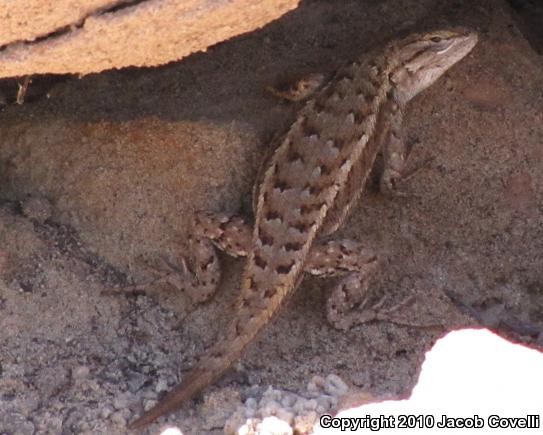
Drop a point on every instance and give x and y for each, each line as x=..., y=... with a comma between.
x=85, y=37
x=100, y=173
x=27, y=20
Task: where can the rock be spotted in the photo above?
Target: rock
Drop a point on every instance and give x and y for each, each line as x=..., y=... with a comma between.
x=93, y=36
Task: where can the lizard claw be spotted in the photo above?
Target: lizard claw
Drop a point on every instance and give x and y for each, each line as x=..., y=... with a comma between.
x=183, y=265
x=392, y=179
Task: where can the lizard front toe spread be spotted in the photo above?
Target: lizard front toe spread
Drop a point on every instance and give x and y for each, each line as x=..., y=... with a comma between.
x=306, y=189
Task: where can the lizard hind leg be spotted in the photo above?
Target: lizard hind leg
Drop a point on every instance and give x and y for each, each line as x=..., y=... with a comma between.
x=357, y=264
x=229, y=233
x=198, y=274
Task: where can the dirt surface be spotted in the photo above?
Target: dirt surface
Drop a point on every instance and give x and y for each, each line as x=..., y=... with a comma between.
x=100, y=176
x=74, y=36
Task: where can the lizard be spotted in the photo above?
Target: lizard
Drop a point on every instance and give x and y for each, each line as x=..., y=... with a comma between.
x=303, y=194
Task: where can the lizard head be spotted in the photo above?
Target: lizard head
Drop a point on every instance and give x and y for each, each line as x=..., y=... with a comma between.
x=423, y=58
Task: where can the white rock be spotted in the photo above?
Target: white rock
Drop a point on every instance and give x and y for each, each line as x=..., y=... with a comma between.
x=335, y=386
x=285, y=415
x=148, y=404
x=304, y=423
x=310, y=405
x=80, y=372
x=274, y=426
x=118, y=418
x=288, y=400
x=270, y=408
x=251, y=403
x=235, y=422
x=122, y=400
x=161, y=385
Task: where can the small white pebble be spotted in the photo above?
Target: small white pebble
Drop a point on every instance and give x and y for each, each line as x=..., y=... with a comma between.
x=304, y=423
x=93, y=385
x=272, y=394
x=55, y=423
x=299, y=406
x=118, y=418
x=321, y=409
x=280, y=412
x=335, y=386
x=316, y=382
x=315, y=386
x=248, y=428
x=122, y=401
x=235, y=422
x=80, y=372
x=148, y=404
x=324, y=402
x=288, y=400
x=148, y=394
x=269, y=391
x=251, y=403
x=312, y=388
x=285, y=415
x=274, y=426
x=105, y=412
x=310, y=405
x=84, y=426
x=270, y=408
x=161, y=385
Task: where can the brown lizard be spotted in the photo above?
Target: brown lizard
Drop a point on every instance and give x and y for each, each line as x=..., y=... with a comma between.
x=304, y=192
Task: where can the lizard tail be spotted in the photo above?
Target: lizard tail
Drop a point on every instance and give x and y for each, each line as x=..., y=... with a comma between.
x=210, y=368
x=192, y=384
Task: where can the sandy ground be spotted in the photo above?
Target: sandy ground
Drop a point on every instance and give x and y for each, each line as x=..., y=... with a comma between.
x=100, y=176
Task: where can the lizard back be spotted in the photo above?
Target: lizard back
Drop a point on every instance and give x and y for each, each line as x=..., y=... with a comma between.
x=308, y=172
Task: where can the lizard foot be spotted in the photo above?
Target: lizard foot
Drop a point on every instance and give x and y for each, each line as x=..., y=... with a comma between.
x=301, y=90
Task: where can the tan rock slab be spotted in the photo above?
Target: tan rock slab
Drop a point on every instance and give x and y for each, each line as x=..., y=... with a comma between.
x=85, y=39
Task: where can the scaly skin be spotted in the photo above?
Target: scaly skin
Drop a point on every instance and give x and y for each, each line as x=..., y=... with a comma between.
x=313, y=178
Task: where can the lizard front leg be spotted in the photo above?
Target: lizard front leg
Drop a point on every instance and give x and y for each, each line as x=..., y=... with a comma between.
x=200, y=278
x=301, y=90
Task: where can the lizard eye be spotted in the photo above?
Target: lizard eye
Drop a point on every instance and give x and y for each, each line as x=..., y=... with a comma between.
x=435, y=39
